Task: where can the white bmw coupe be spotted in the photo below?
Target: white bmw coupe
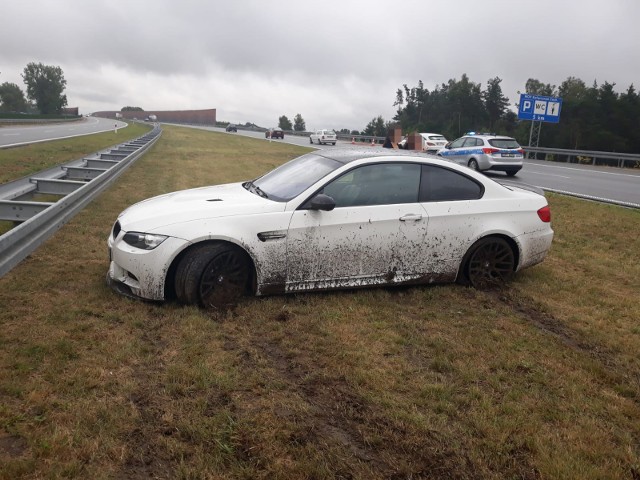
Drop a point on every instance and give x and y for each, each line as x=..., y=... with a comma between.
x=329, y=219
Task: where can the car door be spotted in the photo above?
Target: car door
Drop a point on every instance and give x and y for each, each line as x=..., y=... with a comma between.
x=454, y=151
x=453, y=202
x=372, y=236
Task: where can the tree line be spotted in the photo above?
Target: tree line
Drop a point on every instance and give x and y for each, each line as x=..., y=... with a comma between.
x=45, y=87
x=592, y=118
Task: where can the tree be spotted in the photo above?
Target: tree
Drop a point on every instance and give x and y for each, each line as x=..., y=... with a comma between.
x=45, y=84
x=12, y=98
x=376, y=127
x=536, y=87
x=298, y=123
x=284, y=123
x=494, y=101
x=132, y=109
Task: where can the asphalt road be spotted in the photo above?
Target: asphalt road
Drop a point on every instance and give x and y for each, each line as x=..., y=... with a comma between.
x=607, y=184
x=12, y=136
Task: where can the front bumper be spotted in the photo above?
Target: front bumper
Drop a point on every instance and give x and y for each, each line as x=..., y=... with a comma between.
x=142, y=273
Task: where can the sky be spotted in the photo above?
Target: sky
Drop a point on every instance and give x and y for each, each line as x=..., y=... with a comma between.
x=336, y=63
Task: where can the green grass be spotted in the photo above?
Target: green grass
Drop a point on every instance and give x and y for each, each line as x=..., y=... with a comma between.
x=538, y=380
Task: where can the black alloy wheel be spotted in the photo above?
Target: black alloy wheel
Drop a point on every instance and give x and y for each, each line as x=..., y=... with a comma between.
x=213, y=276
x=490, y=263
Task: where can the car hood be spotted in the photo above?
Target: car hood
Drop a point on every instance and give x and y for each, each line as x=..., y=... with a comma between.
x=232, y=199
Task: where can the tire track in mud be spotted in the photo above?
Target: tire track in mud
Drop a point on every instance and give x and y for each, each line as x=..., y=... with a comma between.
x=340, y=419
x=145, y=455
x=614, y=372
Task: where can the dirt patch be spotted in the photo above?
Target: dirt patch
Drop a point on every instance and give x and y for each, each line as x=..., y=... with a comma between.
x=614, y=372
x=12, y=445
x=341, y=420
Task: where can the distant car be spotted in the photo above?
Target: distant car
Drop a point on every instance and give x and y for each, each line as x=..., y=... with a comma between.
x=322, y=137
x=232, y=128
x=341, y=218
x=485, y=151
x=274, y=133
x=432, y=142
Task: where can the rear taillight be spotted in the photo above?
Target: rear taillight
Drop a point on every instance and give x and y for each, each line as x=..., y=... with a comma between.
x=430, y=143
x=521, y=150
x=490, y=151
x=545, y=214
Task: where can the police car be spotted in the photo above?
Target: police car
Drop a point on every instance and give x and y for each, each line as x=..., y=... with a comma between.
x=485, y=151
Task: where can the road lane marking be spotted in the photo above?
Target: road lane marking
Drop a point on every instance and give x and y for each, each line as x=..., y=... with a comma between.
x=583, y=170
x=591, y=197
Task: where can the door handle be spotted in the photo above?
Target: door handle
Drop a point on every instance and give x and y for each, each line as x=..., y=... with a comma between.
x=411, y=217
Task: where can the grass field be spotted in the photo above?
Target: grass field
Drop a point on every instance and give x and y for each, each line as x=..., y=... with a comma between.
x=536, y=381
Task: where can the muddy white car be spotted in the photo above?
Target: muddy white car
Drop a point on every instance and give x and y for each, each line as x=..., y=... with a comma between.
x=329, y=219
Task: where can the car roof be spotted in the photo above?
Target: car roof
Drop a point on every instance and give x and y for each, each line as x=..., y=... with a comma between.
x=347, y=155
x=485, y=135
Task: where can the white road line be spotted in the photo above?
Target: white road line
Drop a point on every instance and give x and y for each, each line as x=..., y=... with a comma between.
x=10, y=134
x=591, y=197
x=585, y=170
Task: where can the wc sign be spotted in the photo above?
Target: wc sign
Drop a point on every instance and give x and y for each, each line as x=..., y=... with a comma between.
x=539, y=108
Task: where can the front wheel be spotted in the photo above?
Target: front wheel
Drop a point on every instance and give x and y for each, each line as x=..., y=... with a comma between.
x=311, y=140
x=489, y=263
x=212, y=276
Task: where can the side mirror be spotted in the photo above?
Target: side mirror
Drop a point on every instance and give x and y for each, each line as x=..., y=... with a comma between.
x=323, y=202
x=448, y=145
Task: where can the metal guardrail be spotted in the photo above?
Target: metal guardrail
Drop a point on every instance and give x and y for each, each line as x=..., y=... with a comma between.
x=586, y=156
x=79, y=182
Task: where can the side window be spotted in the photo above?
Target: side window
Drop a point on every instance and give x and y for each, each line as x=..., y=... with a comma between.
x=380, y=184
x=439, y=184
x=471, y=142
x=457, y=143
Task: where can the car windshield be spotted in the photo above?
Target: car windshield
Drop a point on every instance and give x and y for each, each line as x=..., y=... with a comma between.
x=294, y=177
x=503, y=143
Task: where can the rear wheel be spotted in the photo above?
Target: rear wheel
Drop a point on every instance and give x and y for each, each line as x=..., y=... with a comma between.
x=511, y=173
x=212, y=276
x=489, y=263
x=473, y=164
x=311, y=140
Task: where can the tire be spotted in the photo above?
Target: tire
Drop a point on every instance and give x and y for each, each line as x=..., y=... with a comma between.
x=489, y=263
x=311, y=140
x=512, y=173
x=213, y=275
x=334, y=144
x=473, y=165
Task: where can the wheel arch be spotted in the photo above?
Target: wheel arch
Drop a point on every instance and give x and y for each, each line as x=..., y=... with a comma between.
x=461, y=276
x=169, y=279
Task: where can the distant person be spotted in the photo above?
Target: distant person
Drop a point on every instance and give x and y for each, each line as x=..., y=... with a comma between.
x=387, y=143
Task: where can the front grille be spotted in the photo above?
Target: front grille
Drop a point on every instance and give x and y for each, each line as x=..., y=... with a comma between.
x=116, y=229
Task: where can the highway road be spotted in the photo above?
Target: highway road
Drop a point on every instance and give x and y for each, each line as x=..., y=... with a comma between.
x=606, y=184
x=13, y=136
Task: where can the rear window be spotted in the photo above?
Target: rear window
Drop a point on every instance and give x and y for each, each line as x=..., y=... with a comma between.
x=503, y=143
x=437, y=137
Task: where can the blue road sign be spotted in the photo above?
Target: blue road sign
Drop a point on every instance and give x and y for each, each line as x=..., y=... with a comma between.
x=539, y=108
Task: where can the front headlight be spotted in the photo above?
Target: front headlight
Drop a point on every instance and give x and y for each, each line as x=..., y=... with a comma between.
x=145, y=241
